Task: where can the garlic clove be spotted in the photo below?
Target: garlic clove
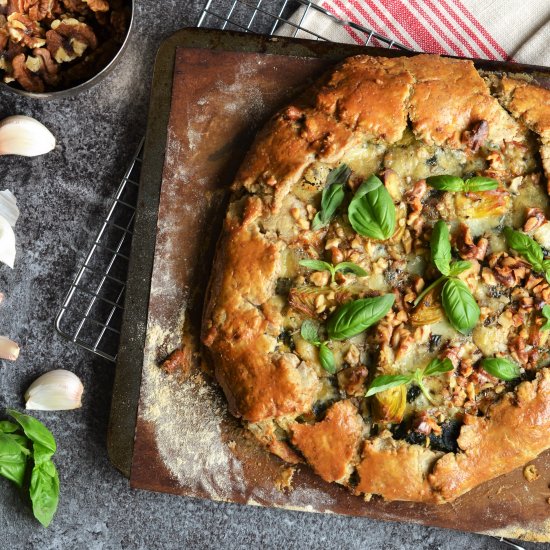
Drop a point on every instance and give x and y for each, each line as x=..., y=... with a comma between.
x=25, y=136
x=57, y=390
x=8, y=207
x=7, y=243
x=8, y=348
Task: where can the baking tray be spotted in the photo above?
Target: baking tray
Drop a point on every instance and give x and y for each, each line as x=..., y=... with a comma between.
x=239, y=470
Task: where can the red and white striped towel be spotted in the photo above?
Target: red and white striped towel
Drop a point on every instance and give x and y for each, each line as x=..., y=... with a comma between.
x=516, y=30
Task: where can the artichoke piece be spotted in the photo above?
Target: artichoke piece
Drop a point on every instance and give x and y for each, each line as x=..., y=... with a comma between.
x=302, y=298
x=429, y=310
x=389, y=406
x=483, y=204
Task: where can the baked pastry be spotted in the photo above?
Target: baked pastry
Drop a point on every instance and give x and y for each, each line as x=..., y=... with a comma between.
x=378, y=303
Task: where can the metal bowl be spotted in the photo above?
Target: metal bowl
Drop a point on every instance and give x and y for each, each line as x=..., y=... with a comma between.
x=74, y=90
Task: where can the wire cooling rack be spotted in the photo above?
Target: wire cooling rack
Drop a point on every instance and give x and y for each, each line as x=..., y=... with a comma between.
x=91, y=313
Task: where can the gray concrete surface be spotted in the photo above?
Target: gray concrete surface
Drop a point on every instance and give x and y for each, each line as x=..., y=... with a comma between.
x=63, y=197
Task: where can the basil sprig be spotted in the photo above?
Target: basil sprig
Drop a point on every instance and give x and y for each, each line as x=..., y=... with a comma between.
x=371, y=212
x=387, y=381
x=458, y=302
x=529, y=249
x=455, y=184
x=354, y=317
x=319, y=265
x=546, y=315
x=332, y=196
x=29, y=445
x=501, y=368
x=310, y=333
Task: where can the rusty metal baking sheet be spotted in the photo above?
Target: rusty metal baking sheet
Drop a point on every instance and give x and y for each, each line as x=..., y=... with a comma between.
x=185, y=441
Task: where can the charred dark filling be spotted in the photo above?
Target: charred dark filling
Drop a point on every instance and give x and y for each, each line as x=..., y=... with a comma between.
x=445, y=442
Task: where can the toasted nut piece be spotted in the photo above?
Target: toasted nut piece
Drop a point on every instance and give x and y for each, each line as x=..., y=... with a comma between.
x=530, y=473
x=320, y=278
x=22, y=29
x=97, y=5
x=535, y=218
x=352, y=380
x=26, y=78
x=394, y=185
x=476, y=136
x=467, y=249
x=69, y=39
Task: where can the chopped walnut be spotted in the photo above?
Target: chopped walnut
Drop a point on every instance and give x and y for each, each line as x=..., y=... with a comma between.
x=24, y=30
x=320, y=278
x=475, y=137
x=467, y=249
x=97, y=5
x=352, y=380
x=69, y=39
x=535, y=218
x=25, y=76
x=352, y=356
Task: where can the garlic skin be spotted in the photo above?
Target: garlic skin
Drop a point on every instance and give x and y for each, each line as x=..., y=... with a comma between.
x=57, y=390
x=24, y=136
x=8, y=348
x=8, y=207
x=7, y=243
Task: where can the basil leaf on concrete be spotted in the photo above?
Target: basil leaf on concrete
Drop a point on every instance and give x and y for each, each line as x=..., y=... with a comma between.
x=37, y=433
x=460, y=306
x=13, y=459
x=371, y=212
x=8, y=427
x=440, y=244
x=501, y=368
x=355, y=317
x=44, y=492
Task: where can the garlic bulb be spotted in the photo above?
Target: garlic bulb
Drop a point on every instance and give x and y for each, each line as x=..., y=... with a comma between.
x=25, y=136
x=57, y=390
x=8, y=349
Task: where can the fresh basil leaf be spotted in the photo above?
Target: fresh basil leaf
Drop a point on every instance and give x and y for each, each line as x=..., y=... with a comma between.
x=332, y=196
x=316, y=265
x=459, y=305
x=8, y=427
x=459, y=267
x=387, y=381
x=13, y=459
x=327, y=358
x=501, y=368
x=371, y=212
x=44, y=492
x=446, y=183
x=350, y=266
x=340, y=174
x=438, y=366
x=526, y=247
x=355, y=317
x=36, y=432
x=480, y=183
x=546, y=315
x=309, y=331
x=440, y=245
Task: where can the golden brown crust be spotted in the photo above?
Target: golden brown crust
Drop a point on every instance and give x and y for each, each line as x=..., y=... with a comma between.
x=331, y=446
x=396, y=470
x=514, y=431
x=365, y=101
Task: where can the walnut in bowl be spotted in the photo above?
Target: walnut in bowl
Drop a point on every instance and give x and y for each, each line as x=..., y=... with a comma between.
x=52, y=48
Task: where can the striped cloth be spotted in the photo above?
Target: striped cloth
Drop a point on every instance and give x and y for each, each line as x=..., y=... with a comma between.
x=517, y=30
